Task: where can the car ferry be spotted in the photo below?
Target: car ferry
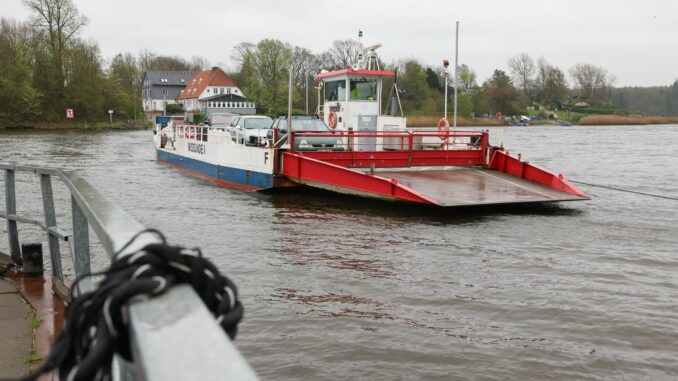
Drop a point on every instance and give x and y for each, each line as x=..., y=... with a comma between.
x=356, y=150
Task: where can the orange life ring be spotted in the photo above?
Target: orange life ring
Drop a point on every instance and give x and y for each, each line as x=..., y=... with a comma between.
x=332, y=120
x=443, y=133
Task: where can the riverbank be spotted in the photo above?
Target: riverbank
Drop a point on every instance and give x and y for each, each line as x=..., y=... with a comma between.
x=586, y=120
x=116, y=125
x=618, y=120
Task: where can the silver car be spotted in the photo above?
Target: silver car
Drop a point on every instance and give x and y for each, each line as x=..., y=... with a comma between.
x=250, y=129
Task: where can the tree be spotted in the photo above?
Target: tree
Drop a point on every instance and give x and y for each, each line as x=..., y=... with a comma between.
x=264, y=74
x=500, y=91
x=414, y=87
x=19, y=100
x=589, y=80
x=552, y=85
x=199, y=63
x=433, y=80
x=523, y=69
x=59, y=21
x=343, y=54
x=467, y=77
x=241, y=50
x=87, y=89
x=125, y=68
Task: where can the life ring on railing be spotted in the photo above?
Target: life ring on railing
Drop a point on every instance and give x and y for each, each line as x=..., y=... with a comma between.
x=443, y=133
x=332, y=120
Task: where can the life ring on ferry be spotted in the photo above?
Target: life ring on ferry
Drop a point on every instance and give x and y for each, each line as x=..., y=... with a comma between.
x=443, y=128
x=332, y=120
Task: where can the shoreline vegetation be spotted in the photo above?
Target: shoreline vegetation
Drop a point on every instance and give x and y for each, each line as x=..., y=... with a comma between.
x=414, y=121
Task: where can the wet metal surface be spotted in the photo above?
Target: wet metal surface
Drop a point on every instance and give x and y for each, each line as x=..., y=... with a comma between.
x=48, y=307
x=457, y=186
x=337, y=288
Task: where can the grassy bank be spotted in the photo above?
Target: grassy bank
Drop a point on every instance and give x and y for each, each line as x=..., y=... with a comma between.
x=600, y=120
x=432, y=121
x=116, y=125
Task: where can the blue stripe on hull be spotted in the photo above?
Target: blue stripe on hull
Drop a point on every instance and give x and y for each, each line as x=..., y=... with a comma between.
x=234, y=175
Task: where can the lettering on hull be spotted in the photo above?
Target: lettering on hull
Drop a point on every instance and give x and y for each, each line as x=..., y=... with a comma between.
x=197, y=148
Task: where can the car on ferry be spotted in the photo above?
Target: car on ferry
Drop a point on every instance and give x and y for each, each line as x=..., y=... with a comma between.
x=250, y=129
x=220, y=120
x=323, y=138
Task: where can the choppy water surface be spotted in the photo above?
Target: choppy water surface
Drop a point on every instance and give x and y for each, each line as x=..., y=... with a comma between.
x=338, y=288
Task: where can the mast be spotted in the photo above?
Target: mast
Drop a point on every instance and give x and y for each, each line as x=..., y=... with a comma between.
x=456, y=72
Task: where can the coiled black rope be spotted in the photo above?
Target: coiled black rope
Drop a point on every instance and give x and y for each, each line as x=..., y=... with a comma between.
x=625, y=190
x=96, y=325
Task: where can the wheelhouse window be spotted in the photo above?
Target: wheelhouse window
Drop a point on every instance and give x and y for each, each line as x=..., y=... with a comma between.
x=335, y=90
x=363, y=90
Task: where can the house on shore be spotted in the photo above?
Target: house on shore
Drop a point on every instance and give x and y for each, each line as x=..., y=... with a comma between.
x=212, y=91
x=162, y=87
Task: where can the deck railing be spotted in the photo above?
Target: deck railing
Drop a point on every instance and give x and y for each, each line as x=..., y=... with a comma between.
x=360, y=149
x=188, y=346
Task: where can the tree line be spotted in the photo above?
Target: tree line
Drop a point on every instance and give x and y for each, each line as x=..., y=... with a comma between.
x=46, y=67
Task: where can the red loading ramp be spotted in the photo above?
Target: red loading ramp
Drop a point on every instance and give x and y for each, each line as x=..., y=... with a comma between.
x=443, y=186
x=320, y=174
x=467, y=186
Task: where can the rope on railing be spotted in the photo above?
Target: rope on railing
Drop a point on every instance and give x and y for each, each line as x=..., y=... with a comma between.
x=96, y=323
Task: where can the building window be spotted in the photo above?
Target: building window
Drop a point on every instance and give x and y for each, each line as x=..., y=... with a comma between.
x=228, y=91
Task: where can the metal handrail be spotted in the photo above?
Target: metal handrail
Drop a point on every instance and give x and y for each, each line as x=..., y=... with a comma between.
x=173, y=336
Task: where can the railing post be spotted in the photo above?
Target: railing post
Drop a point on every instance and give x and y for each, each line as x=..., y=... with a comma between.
x=10, y=210
x=483, y=149
x=410, y=147
x=81, y=245
x=51, y=224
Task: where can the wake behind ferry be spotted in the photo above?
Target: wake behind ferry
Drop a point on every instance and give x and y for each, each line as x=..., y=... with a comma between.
x=354, y=149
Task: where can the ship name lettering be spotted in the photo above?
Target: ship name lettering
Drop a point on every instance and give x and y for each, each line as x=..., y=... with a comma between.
x=197, y=148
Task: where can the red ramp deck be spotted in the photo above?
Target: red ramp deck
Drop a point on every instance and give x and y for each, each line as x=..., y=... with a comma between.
x=461, y=186
x=463, y=171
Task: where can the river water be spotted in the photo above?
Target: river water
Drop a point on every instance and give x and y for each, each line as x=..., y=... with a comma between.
x=337, y=288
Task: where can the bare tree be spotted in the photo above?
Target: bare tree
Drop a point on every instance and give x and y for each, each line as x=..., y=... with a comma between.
x=342, y=54
x=523, y=69
x=304, y=63
x=199, y=63
x=590, y=80
x=241, y=50
x=60, y=20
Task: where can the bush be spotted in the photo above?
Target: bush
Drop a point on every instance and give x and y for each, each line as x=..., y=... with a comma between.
x=199, y=117
x=174, y=108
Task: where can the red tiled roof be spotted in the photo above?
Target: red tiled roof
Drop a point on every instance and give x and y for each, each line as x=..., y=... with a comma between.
x=198, y=84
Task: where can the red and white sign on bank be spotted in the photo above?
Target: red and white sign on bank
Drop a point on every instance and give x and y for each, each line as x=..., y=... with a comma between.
x=69, y=113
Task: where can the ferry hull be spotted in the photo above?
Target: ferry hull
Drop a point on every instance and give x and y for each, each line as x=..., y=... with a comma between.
x=219, y=174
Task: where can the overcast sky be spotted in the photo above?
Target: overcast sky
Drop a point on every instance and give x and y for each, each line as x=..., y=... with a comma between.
x=637, y=41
